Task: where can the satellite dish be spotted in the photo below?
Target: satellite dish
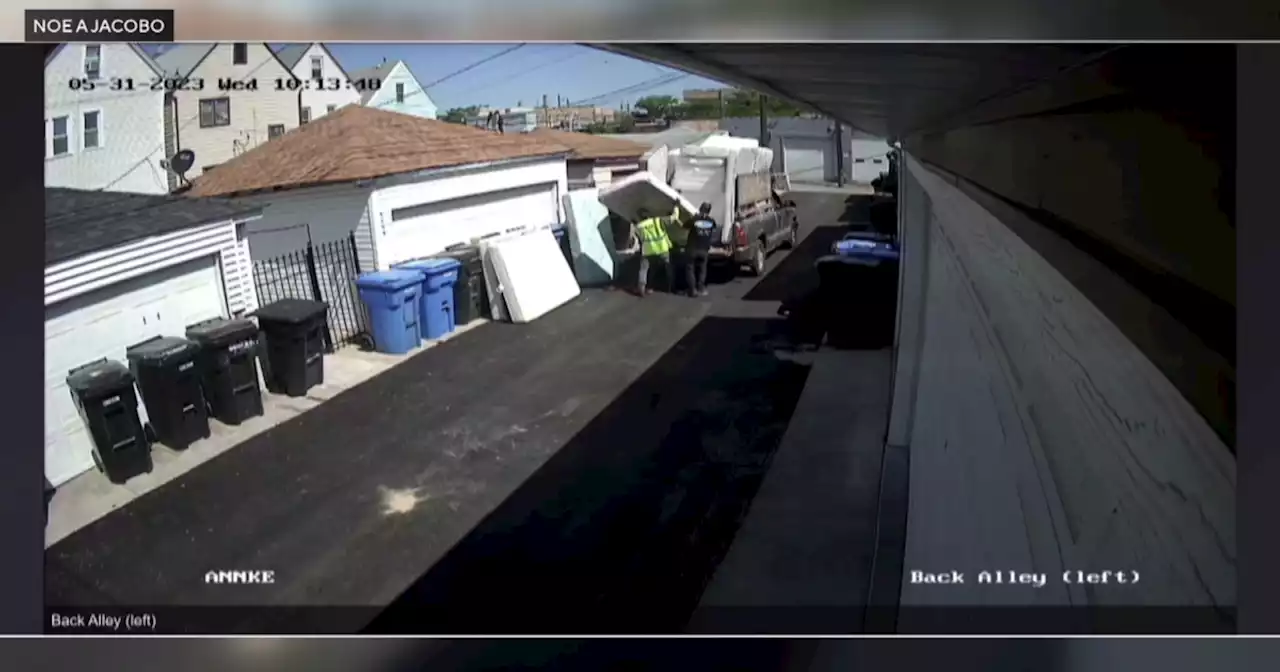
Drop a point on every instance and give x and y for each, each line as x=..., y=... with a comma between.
x=182, y=161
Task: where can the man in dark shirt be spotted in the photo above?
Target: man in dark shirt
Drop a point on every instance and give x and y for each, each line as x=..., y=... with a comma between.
x=701, y=228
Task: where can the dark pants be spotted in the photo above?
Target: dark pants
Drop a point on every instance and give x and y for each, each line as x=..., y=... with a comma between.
x=695, y=271
x=660, y=261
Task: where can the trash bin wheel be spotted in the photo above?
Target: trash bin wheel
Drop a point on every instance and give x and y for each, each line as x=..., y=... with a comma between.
x=150, y=432
x=97, y=462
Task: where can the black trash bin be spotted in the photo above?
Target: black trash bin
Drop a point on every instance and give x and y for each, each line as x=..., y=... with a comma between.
x=470, y=299
x=859, y=297
x=294, y=332
x=169, y=383
x=105, y=399
x=229, y=368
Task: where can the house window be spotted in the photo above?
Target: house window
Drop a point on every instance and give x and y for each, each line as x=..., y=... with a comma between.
x=93, y=61
x=274, y=131
x=304, y=115
x=317, y=67
x=215, y=112
x=240, y=53
x=331, y=107
x=399, y=92
x=92, y=133
x=60, y=135
x=877, y=161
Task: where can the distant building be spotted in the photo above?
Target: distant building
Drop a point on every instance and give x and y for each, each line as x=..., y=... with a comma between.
x=574, y=118
x=519, y=120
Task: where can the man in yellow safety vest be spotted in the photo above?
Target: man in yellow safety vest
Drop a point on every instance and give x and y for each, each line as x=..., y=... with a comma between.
x=650, y=235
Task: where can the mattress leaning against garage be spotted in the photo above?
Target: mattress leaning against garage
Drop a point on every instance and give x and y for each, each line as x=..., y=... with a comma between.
x=534, y=275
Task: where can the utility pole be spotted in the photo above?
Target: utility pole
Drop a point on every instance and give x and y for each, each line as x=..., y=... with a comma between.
x=839, y=153
x=720, y=98
x=764, y=122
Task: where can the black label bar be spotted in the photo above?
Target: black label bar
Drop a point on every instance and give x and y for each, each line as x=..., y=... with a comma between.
x=99, y=25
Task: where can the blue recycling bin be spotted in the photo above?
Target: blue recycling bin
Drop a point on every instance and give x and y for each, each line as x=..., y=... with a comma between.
x=392, y=299
x=866, y=248
x=436, y=305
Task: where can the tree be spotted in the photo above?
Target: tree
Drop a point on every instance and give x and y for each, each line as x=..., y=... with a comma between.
x=658, y=107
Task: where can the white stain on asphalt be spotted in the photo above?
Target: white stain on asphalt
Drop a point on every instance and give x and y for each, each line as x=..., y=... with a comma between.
x=399, y=501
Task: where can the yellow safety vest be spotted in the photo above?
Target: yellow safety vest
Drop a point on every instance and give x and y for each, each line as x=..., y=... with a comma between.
x=653, y=236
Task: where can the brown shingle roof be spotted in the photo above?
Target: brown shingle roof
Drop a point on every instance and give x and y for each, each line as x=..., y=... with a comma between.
x=588, y=146
x=357, y=143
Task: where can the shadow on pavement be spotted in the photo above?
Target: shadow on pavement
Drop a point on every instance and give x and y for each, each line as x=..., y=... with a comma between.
x=793, y=276
x=621, y=530
x=857, y=210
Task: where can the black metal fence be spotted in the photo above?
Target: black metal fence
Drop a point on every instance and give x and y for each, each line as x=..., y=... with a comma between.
x=321, y=272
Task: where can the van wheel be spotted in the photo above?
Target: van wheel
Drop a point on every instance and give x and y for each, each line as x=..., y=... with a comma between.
x=757, y=265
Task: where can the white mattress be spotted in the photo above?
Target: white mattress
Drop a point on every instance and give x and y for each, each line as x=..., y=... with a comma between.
x=492, y=285
x=641, y=190
x=590, y=237
x=534, y=275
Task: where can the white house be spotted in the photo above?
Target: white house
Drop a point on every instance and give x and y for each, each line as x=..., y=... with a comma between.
x=406, y=187
x=237, y=96
x=103, y=125
x=391, y=86
x=121, y=269
x=325, y=84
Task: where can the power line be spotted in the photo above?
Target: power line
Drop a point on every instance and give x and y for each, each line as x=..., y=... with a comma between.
x=635, y=88
x=520, y=74
x=473, y=66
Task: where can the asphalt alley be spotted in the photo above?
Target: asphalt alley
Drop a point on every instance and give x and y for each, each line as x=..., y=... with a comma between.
x=585, y=472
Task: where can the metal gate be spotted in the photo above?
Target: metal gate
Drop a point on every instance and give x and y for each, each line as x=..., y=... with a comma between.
x=321, y=272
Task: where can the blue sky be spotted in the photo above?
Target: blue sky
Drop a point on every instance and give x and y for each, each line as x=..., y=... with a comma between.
x=520, y=77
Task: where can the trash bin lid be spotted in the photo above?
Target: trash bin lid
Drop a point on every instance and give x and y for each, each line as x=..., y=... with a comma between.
x=291, y=311
x=865, y=248
x=100, y=377
x=390, y=281
x=162, y=350
x=459, y=250
x=432, y=267
x=220, y=331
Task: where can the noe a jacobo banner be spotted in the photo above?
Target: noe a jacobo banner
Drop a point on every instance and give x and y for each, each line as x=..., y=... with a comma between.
x=99, y=25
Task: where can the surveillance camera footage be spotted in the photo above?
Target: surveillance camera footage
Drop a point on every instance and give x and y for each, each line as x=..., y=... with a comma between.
x=565, y=338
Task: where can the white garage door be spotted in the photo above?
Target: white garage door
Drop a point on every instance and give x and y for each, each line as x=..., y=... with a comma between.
x=808, y=159
x=416, y=230
x=103, y=324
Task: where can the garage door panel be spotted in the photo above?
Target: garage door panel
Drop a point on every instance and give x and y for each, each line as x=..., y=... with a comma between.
x=421, y=229
x=808, y=159
x=103, y=324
